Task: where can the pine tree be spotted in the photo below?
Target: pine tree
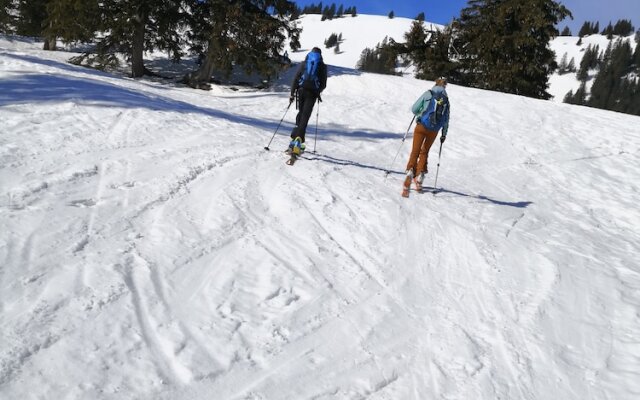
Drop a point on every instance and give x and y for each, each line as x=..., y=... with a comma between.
x=437, y=58
x=244, y=33
x=331, y=41
x=31, y=17
x=381, y=60
x=6, y=16
x=606, y=55
x=295, y=14
x=340, y=11
x=585, y=30
x=611, y=88
x=563, y=67
x=332, y=11
x=72, y=20
x=580, y=97
x=572, y=65
x=325, y=14
x=391, y=15
x=415, y=46
x=596, y=28
x=132, y=26
x=590, y=60
x=420, y=17
x=312, y=9
x=623, y=28
x=354, y=12
x=507, y=44
x=30, y=21
x=568, y=98
x=566, y=31
x=336, y=49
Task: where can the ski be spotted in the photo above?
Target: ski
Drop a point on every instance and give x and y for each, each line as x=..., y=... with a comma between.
x=292, y=159
x=428, y=189
x=418, y=185
x=295, y=150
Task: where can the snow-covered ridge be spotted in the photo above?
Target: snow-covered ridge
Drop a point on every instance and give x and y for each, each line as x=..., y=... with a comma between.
x=358, y=33
x=151, y=249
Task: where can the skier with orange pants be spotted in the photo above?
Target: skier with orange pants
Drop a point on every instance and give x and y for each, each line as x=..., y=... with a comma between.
x=432, y=112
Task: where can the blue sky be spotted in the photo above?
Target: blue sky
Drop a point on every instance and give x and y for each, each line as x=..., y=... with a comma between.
x=441, y=11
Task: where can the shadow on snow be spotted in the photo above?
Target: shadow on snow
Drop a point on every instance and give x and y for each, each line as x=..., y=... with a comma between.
x=337, y=161
x=516, y=204
x=43, y=87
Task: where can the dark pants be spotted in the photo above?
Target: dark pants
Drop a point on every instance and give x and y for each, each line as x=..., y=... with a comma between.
x=306, y=101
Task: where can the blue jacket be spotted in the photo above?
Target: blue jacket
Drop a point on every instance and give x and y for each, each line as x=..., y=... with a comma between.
x=421, y=104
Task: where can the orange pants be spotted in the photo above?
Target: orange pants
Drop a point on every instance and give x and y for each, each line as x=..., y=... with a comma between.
x=422, y=141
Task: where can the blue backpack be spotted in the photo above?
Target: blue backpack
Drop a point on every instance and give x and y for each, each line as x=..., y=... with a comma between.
x=435, y=113
x=309, y=79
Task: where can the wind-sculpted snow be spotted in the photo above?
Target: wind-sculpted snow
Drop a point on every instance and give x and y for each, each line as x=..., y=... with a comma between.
x=151, y=249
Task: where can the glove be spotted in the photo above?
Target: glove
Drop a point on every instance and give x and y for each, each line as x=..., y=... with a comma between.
x=443, y=137
x=319, y=98
x=291, y=99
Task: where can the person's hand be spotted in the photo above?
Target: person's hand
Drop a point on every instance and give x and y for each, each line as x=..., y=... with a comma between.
x=443, y=137
x=290, y=99
x=319, y=98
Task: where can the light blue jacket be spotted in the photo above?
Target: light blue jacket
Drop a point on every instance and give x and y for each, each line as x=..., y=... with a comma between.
x=419, y=106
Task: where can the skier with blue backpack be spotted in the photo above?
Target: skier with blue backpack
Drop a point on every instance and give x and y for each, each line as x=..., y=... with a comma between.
x=432, y=112
x=309, y=81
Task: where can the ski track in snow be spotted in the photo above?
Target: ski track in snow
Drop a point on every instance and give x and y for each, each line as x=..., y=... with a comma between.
x=151, y=249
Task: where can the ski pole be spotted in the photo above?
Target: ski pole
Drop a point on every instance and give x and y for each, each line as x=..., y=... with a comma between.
x=315, y=139
x=278, y=127
x=435, y=188
x=398, y=152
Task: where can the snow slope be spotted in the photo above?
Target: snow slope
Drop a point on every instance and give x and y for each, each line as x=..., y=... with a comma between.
x=151, y=249
x=358, y=33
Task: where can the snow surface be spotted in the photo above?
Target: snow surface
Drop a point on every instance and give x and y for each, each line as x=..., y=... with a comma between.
x=151, y=249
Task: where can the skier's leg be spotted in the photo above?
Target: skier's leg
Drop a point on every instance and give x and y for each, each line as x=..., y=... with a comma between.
x=429, y=138
x=306, y=109
x=418, y=138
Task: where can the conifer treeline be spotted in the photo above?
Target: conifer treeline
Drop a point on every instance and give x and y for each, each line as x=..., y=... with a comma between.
x=500, y=45
x=616, y=83
x=623, y=27
x=382, y=59
x=246, y=33
x=328, y=11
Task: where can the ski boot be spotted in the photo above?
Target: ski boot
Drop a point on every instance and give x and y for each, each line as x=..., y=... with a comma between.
x=296, y=146
x=406, y=185
x=418, y=181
